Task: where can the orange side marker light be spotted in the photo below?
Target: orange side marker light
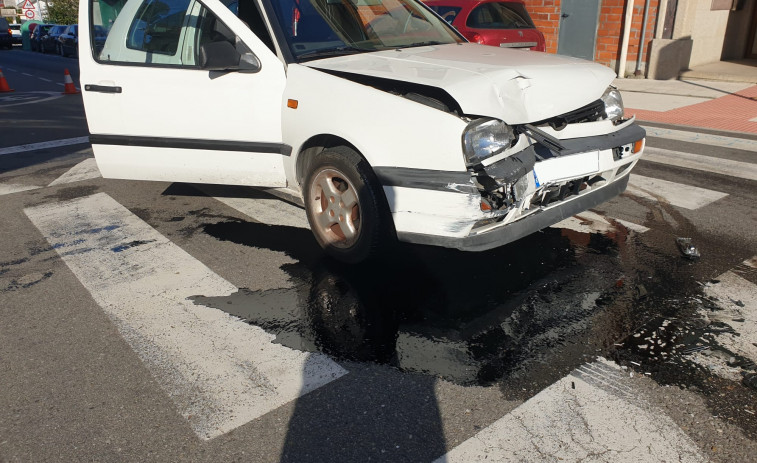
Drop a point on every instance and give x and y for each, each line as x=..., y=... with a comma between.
x=292, y=104
x=638, y=145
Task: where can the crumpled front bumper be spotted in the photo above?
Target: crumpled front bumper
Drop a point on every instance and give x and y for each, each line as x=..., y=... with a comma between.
x=442, y=209
x=534, y=222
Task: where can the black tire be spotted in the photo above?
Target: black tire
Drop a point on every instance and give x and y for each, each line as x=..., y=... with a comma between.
x=351, y=231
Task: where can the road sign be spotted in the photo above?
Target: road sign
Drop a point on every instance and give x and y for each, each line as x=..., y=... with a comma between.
x=28, y=5
x=29, y=14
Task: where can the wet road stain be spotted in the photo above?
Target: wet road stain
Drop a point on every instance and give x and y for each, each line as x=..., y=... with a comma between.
x=65, y=194
x=520, y=316
x=548, y=300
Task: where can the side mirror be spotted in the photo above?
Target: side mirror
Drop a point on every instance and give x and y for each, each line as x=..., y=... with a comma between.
x=223, y=56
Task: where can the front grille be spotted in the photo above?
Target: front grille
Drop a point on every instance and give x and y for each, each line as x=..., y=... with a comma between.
x=594, y=111
x=589, y=113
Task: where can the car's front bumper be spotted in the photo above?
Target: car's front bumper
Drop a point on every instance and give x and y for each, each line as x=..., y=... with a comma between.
x=534, y=222
x=447, y=208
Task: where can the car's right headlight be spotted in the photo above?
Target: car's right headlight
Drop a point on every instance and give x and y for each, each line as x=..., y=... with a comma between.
x=613, y=103
x=483, y=138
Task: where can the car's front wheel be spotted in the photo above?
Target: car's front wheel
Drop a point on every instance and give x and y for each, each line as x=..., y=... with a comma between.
x=345, y=206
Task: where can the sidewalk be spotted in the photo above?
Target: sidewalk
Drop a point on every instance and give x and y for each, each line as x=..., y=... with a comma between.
x=730, y=106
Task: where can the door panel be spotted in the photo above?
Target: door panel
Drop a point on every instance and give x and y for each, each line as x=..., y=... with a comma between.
x=578, y=28
x=154, y=115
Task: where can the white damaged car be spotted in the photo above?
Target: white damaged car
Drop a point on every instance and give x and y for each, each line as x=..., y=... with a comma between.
x=377, y=113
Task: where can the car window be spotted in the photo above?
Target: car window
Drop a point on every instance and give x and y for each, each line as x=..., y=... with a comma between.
x=448, y=13
x=156, y=32
x=499, y=16
x=157, y=26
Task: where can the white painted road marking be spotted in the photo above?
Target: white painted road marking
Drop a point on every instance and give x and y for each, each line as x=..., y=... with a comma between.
x=85, y=170
x=677, y=194
x=219, y=371
x=737, y=169
x=8, y=188
x=8, y=100
x=271, y=211
x=44, y=145
x=590, y=415
x=591, y=222
x=702, y=138
x=738, y=299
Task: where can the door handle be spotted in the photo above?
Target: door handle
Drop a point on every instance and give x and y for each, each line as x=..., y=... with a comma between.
x=102, y=88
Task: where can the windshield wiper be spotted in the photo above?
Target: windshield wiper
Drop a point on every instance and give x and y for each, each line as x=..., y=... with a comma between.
x=333, y=51
x=421, y=44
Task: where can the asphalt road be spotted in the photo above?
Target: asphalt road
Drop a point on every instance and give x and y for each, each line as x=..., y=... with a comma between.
x=158, y=321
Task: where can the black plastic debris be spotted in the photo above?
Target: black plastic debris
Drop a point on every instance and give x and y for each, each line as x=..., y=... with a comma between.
x=750, y=380
x=687, y=248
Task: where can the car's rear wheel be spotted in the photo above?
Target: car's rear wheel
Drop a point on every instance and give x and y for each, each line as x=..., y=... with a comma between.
x=345, y=206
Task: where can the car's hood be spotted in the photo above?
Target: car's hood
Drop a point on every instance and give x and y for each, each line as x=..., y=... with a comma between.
x=516, y=86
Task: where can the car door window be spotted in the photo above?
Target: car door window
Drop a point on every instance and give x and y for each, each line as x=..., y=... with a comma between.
x=157, y=26
x=154, y=32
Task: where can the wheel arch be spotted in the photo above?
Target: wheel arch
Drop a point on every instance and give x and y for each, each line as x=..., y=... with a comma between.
x=315, y=145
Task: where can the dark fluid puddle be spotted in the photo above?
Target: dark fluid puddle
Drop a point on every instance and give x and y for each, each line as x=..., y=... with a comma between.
x=544, y=303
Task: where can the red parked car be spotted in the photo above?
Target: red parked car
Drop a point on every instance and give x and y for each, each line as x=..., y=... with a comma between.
x=491, y=22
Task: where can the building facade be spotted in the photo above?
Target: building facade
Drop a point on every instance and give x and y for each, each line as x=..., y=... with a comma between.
x=676, y=35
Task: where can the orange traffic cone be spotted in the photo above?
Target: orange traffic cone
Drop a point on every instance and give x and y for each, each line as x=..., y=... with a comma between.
x=68, y=84
x=4, y=88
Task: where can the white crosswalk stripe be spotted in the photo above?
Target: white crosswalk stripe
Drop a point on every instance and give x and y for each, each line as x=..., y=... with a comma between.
x=677, y=194
x=85, y=170
x=219, y=371
x=269, y=210
x=702, y=138
x=737, y=299
x=591, y=222
x=10, y=188
x=590, y=415
x=727, y=167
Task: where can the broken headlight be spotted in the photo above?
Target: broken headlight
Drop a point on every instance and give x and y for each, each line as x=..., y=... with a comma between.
x=613, y=103
x=483, y=138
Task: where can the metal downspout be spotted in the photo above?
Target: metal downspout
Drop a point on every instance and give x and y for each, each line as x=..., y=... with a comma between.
x=642, y=39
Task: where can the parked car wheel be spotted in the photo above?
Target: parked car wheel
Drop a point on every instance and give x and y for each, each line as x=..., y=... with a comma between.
x=345, y=206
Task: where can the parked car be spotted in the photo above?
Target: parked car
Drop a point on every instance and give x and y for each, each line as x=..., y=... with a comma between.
x=49, y=43
x=39, y=32
x=378, y=115
x=68, y=41
x=6, y=36
x=15, y=33
x=491, y=22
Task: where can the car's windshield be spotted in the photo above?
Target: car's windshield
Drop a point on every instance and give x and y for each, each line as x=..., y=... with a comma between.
x=319, y=28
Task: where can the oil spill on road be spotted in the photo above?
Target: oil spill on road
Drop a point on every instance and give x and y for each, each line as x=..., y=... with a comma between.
x=529, y=312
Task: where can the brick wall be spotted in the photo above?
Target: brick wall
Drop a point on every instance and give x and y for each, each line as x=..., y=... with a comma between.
x=610, y=31
x=546, y=16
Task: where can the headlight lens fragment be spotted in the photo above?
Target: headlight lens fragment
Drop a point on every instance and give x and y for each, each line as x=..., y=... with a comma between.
x=483, y=138
x=613, y=103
